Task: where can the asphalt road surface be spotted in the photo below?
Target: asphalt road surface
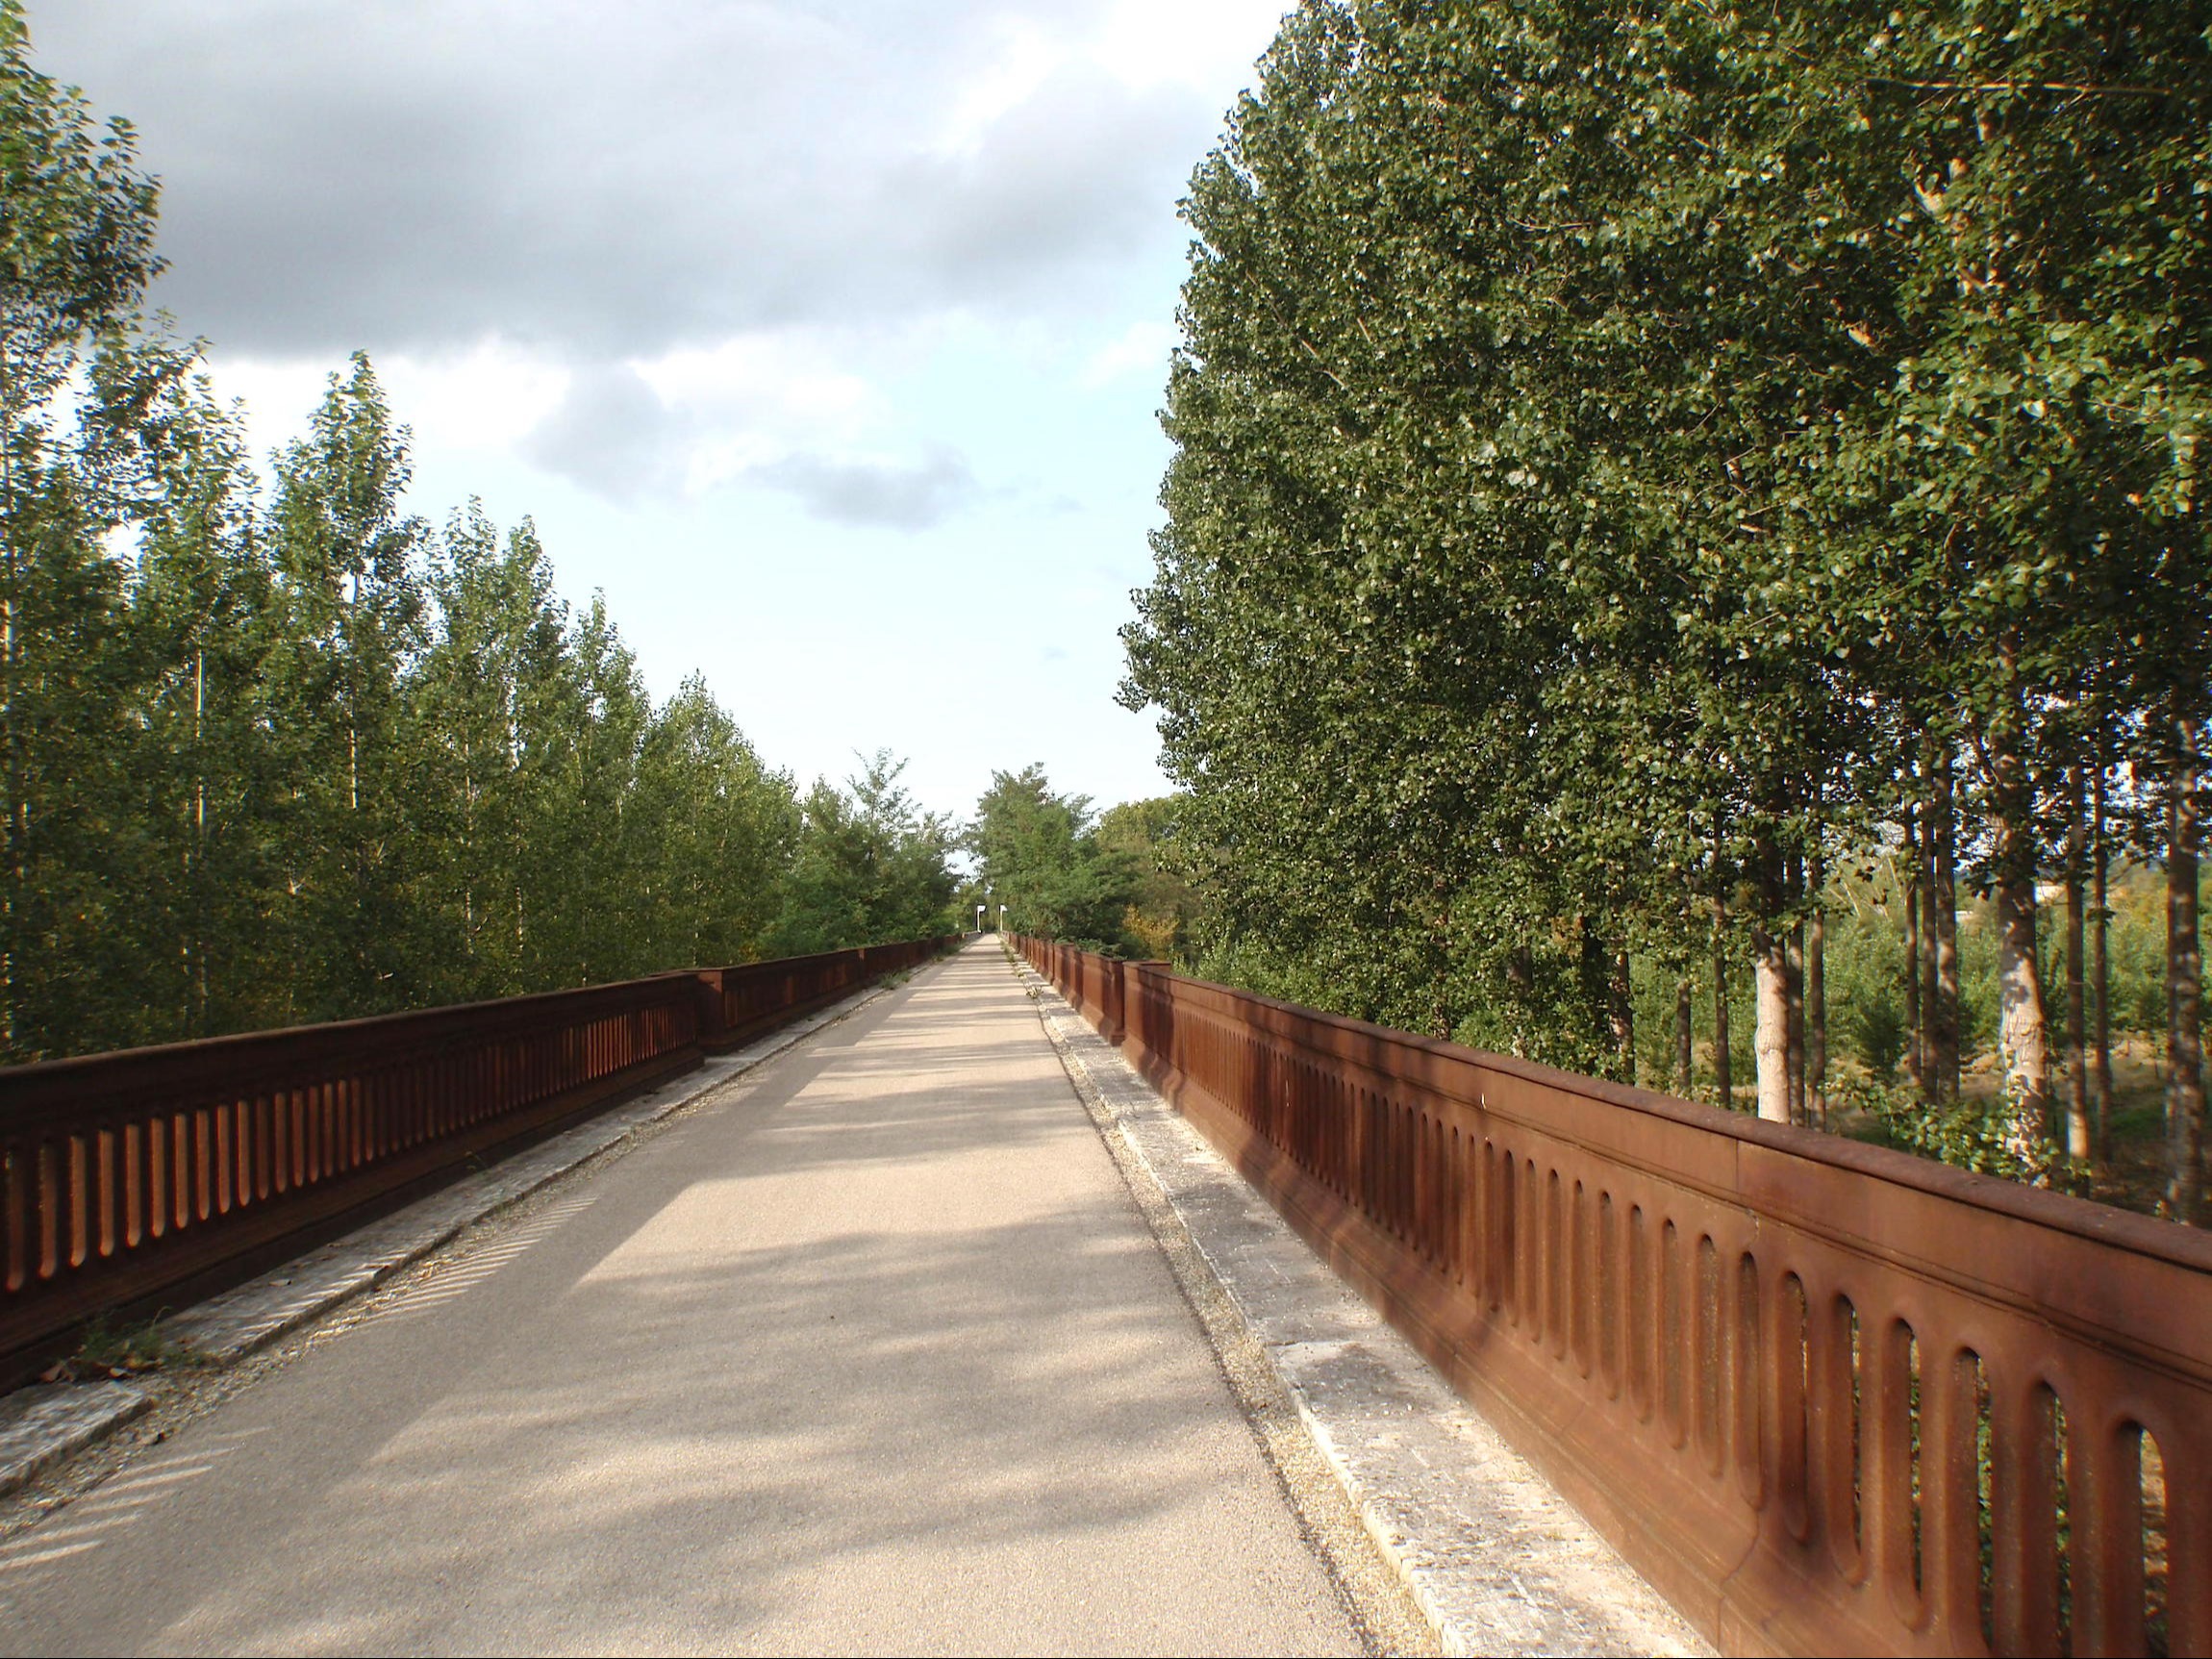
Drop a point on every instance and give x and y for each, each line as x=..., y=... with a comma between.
x=871, y=1353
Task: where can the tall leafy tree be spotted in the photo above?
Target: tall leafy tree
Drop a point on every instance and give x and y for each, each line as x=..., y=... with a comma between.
x=1042, y=856
x=487, y=699
x=76, y=252
x=268, y=759
x=349, y=563
x=212, y=775
x=715, y=833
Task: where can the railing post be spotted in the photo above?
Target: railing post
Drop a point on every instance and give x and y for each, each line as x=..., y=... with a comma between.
x=707, y=998
x=1112, y=996
x=1136, y=1027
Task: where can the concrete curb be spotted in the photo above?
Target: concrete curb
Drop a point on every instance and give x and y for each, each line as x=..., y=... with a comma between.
x=42, y=1426
x=1496, y=1561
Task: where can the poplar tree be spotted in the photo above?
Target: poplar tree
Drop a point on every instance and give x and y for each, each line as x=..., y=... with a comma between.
x=485, y=704
x=348, y=559
x=205, y=926
x=76, y=252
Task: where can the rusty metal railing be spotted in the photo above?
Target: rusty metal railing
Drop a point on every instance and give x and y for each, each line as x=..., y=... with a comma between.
x=1829, y=1399
x=761, y=995
x=160, y=1173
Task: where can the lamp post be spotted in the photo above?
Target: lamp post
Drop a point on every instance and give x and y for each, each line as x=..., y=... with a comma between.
x=1002, y=918
x=979, y=918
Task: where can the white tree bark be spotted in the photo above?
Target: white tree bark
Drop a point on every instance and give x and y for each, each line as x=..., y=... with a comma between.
x=1770, y=1039
x=2023, y=1033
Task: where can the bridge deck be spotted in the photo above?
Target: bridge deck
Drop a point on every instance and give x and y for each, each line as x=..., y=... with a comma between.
x=871, y=1351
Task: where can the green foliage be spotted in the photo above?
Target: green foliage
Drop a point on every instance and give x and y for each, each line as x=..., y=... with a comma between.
x=1164, y=908
x=127, y=1350
x=354, y=618
x=312, y=760
x=1876, y=1032
x=1040, y=854
x=870, y=867
x=76, y=236
x=1619, y=453
x=1972, y=1134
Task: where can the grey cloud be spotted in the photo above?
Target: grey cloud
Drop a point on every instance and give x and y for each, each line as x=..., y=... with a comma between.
x=881, y=496
x=610, y=181
x=609, y=432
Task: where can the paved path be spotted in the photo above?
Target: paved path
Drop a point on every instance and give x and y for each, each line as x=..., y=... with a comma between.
x=871, y=1353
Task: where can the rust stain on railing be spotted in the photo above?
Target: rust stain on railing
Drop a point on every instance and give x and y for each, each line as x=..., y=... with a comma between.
x=1829, y=1399
x=130, y=1176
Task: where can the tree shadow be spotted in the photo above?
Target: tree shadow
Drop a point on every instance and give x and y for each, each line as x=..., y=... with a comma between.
x=878, y=1356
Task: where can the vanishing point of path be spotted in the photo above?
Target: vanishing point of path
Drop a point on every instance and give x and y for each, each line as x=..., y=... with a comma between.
x=871, y=1352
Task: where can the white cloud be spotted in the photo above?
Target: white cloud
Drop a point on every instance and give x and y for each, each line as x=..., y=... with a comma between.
x=874, y=493
x=1023, y=60
x=750, y=402
x=1143, y=348
x=667, y=245
x=487, y=397
x=793, y=381
x=1208, y=45
x=625, y=181
x=612, y=432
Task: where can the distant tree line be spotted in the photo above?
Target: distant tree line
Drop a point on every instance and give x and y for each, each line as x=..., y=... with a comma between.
x=1105, y=881
x=1656, y=485
x=287, y=754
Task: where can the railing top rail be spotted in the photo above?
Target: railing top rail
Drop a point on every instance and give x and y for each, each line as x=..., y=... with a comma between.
x=786, y=964
x=243, y=1061
x=1373, y=1047
x=39, y=1080
x=825, y=956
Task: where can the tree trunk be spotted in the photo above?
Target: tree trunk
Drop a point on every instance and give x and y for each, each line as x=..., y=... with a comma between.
x=2185, y=968
x=1770, y=1031
x=1767, y=882
x=1817, y=999
x=12, y=894
x=1724, y=1072
x=1943, y=1013
x=1593, y=973
x=2100, y=963
x=1620, y=999
x=2079, y=1141
x=2024, y=1039
x=1919, y=960
x=1685, y=1073
x=1793, y=988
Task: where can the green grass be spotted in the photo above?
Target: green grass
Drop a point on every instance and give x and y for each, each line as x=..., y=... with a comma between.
x=2139, y=1123
x=123, y=1350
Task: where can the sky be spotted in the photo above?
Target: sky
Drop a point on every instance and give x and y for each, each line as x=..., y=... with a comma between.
x=824, y=337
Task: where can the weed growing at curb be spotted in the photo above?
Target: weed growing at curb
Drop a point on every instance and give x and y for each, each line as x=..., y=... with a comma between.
x=109, y=1350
